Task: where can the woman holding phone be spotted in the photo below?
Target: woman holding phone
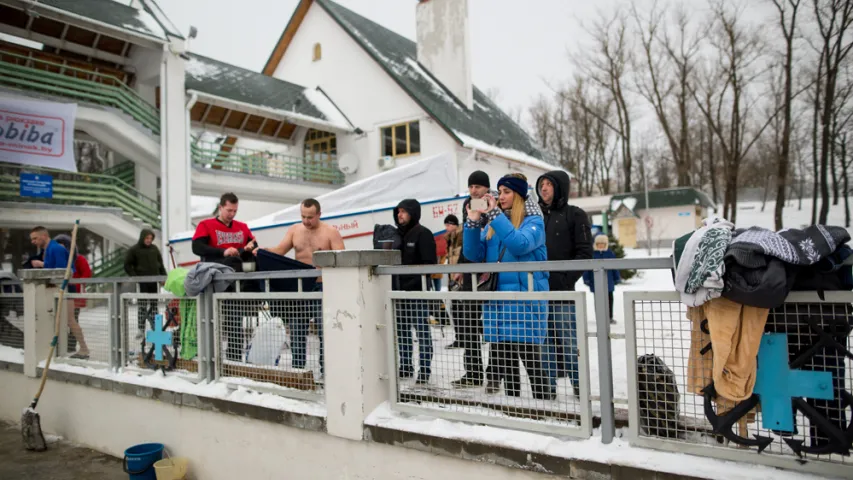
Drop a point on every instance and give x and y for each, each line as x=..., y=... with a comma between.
x=510, y=228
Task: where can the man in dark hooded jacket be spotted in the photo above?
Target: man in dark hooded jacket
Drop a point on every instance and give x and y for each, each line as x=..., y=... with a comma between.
x=418, y=248
x=143, y=260
x=568, y=236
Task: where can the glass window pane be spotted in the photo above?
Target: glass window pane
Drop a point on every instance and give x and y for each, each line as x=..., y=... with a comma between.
x=387, y=142
x=400, y=140
x=414, y=137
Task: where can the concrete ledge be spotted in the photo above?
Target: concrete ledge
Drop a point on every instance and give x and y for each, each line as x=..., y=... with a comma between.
x=356, y=258
x=41, y=274
x=297, y=420
x=512, y=458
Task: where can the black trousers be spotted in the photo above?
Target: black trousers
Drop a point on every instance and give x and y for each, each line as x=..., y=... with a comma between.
x=469, y=329
x=503, y=365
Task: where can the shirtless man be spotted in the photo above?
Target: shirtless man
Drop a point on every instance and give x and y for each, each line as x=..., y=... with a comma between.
x=312, y=235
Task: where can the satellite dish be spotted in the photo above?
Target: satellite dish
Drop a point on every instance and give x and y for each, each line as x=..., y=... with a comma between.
x=348, y=163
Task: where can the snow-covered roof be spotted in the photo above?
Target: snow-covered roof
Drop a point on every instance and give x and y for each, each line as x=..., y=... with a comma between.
x=485, y=124
x=150, y=20
x=507, y=153
x=238, y=85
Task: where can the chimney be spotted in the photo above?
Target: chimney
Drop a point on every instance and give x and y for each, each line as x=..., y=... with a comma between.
x=444, y=45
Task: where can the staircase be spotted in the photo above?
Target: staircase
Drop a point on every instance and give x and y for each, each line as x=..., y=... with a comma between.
x=87, y=189
x=111, y=265
x=125, y=171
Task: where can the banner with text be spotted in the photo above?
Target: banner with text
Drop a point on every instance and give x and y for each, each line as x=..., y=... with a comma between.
x=37, y=133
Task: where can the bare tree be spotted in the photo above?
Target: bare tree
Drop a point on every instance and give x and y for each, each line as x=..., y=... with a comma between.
x=834, y=19
x=667, y=63
x=607, y=64
x=739, y=50
x=788, y=23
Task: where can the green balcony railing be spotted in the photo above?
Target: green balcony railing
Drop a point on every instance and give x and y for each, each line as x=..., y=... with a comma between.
x=71, y=188
x=125, y=171
x=274, y=165
x=80, y=84
x=111, y=265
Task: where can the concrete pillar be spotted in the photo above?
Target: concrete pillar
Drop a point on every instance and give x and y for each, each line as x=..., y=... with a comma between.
x=175, y=162
x=39, y=320
x=355, y=331
x=145, y=181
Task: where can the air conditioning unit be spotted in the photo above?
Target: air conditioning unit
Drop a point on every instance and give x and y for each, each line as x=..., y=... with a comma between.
x=386, y=162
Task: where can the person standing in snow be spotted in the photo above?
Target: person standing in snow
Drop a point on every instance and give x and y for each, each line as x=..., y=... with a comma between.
x=418, y=248
x=144, y=260
x=567, y=233
x=467, y=314
x=602, y=251
x=81, y=270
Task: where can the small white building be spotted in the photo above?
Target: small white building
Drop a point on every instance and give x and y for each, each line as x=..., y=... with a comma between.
x=672, y=213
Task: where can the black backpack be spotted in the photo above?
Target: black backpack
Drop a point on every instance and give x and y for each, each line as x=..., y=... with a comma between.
x=658, y=397
x=387, y=237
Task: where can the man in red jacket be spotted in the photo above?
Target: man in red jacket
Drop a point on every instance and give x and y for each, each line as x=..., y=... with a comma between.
x=81, y=270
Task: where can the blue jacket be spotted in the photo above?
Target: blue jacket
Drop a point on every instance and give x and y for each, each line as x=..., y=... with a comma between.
x=613, y=277
x=55, y=256
x=504, y=320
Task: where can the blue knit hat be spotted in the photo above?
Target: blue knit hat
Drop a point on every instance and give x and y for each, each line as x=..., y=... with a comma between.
x=517, y=185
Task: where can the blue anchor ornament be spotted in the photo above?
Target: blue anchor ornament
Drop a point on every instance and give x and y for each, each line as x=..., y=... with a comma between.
x=776, y=384
x=158, y=337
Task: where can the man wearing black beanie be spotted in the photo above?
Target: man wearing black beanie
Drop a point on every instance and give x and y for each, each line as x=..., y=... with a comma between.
x=466, y=313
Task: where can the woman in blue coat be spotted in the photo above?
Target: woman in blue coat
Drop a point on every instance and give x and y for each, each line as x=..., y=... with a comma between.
x=511, y=228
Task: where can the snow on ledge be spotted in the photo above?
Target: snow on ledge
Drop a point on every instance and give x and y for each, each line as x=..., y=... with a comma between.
x=470, y=142
x=325, y=106
x=11, y=355
x=217, y=390
x=620, y=452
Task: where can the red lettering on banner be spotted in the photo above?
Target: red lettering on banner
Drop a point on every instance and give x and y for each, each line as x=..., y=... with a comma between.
x=347, y=226
x=441, y=211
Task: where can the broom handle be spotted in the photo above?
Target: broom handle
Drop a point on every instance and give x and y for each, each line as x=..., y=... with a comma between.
x=58, y=315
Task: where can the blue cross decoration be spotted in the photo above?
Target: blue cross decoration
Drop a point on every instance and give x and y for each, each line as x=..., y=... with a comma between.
x=158, y=337
x=776, y=383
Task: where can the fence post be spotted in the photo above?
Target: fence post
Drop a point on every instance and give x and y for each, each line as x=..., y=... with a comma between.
x=206, y=336
x=354, y=302
x=605, y=361
x=39, y=305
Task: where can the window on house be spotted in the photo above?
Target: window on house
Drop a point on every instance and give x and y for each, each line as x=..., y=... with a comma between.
x=318, y=52
x=320, y=151
x=402, y=139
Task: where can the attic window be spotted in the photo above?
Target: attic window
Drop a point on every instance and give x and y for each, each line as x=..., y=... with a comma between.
x=401, y=140
x=318, y=52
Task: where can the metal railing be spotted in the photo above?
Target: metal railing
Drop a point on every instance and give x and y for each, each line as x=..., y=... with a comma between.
x=86, y=333
x=664, y=374
x=159, y=332
x=110, y=265
x=458, y=356
x=80, y=84
x=268, y=333
x=257, y=162
x=675, y=405
x=71, y=188
x=11, y=315
x=124, y=171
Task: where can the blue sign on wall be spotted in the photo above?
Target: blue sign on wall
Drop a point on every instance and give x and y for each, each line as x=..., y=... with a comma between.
x=36, y=185
x=683, y=214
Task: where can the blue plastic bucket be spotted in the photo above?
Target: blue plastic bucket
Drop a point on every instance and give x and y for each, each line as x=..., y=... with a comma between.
x=139, y=460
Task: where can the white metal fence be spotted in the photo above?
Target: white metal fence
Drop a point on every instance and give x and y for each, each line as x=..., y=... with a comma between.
x=159, y=332
x=11, y=315
x=512, y=359
x=87, y=329
x=675, y=405
x=270, y=338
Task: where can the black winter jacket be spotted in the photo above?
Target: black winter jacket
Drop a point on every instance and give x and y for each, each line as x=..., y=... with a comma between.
x=568, y=233
x=142, y=260
x=418, y=245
